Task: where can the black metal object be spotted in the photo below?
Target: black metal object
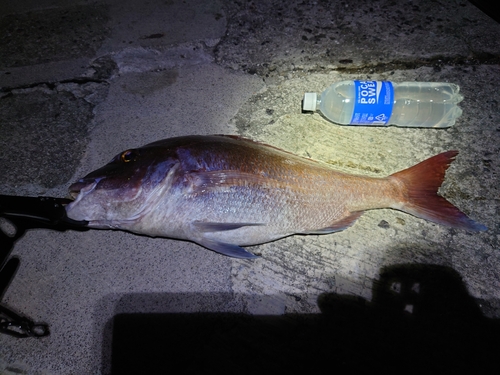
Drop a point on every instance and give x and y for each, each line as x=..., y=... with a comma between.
x=48, y=212
x=14, y=324
x=17, y=215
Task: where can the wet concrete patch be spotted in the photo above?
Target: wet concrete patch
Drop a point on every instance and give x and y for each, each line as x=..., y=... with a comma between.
x=148, y=82
x=44, y=133
x=51, y=35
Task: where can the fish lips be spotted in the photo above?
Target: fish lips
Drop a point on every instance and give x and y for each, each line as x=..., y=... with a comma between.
x=83, y=186
x=105, y=189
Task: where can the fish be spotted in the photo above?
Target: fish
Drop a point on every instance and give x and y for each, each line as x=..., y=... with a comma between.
x=225, y=192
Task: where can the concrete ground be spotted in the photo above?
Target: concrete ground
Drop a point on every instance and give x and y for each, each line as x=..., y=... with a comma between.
x=81, y=81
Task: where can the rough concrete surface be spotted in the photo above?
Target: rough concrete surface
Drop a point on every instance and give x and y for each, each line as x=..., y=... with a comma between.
x=81, y=81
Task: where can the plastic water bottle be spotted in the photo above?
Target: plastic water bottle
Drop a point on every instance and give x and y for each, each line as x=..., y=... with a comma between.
x=382, y=103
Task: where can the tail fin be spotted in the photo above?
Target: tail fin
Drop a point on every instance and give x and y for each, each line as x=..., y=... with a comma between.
x=422, y=182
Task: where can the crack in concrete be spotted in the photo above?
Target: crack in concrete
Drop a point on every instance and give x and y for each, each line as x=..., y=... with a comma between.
x=51, y=85
x=436, y=62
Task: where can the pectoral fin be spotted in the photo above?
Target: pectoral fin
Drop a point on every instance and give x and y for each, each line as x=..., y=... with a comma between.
x=212, y=180
x=203, y=226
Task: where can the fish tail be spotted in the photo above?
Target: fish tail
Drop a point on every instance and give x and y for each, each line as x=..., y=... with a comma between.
x=421, y=183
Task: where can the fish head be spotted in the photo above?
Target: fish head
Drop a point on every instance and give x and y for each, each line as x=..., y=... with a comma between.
x=124, y=190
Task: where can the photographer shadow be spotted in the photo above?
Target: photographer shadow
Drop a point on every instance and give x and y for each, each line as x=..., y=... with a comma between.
x=421, y=320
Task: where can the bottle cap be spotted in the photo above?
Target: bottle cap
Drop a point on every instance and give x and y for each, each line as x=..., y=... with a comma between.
x=309, y=103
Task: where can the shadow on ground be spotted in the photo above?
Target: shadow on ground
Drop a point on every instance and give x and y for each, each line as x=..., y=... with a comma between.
x=421, y=320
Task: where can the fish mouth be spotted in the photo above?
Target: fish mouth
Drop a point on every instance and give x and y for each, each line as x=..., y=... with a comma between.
x=83, y=186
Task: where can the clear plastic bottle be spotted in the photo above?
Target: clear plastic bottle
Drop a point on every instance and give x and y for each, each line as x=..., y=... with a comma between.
x=381, y=103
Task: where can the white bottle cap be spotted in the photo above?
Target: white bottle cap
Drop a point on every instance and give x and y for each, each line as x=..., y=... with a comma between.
x=309, y=103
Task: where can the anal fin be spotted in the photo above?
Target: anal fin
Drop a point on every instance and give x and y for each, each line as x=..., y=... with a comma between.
x=339, y=225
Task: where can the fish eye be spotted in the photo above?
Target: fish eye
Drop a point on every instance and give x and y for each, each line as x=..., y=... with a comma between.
x=128, y=156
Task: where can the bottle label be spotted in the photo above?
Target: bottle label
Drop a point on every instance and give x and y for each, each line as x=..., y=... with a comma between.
x=373, y=102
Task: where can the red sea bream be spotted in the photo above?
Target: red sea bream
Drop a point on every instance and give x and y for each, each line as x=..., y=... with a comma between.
x=224, y=192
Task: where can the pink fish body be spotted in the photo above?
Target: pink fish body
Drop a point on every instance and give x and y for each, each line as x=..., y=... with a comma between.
x=224, y=192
